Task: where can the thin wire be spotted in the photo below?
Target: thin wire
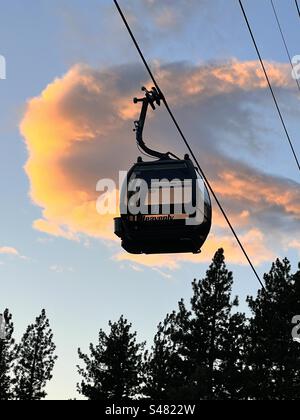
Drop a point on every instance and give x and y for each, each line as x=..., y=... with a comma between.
x=270, y=86
x=187, y=145
x=298, y=8
x=283, y=39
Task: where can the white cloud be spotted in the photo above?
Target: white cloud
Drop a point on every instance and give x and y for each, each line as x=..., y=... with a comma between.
x=163, y=274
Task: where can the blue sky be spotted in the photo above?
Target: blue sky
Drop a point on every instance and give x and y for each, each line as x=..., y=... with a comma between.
x=79, y=283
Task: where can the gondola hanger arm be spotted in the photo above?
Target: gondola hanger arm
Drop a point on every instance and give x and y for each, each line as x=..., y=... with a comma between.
x=152, y=98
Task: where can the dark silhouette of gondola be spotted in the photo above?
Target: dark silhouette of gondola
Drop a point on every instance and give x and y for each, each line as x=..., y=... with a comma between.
x=165, y=205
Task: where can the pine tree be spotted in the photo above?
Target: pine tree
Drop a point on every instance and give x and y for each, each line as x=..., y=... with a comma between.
x=273, y=356
x=7, y=355
x=233, y=372
x=201, y=346
x=35, y=360
x=113, y=370
x=212, y=317
x=163, y=366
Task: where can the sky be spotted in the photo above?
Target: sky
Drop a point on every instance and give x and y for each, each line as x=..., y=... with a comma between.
x=66, y=119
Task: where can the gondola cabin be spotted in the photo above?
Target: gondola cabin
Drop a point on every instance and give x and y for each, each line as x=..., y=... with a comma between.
x=165, y=208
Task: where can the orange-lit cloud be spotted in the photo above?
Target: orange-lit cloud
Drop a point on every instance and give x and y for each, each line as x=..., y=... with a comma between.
x=256, y=191
x=51, y=134
x=253, y=240
x=11, y=251
x=7, y=250
x=79, y=130
x=231, y=76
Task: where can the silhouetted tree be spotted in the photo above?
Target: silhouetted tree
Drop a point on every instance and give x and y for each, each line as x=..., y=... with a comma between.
x=7, y=355
x=211, y=308
x=35, y=360
x=208, y=350
x=113, y=371
x=198, y=348
x=273, y=356
x=232, y=371
x=163, y=366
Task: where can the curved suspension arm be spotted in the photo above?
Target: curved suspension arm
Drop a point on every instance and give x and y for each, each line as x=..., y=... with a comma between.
x=151, y=98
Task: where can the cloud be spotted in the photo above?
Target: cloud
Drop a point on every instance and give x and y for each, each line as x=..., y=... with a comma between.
x=163, y=273
x=7, y=250
x=253, y=240
x=136, y=268
x=79, y=131
x=173, y=15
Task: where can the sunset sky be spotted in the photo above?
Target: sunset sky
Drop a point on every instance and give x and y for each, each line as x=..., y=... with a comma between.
x=66, y=119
